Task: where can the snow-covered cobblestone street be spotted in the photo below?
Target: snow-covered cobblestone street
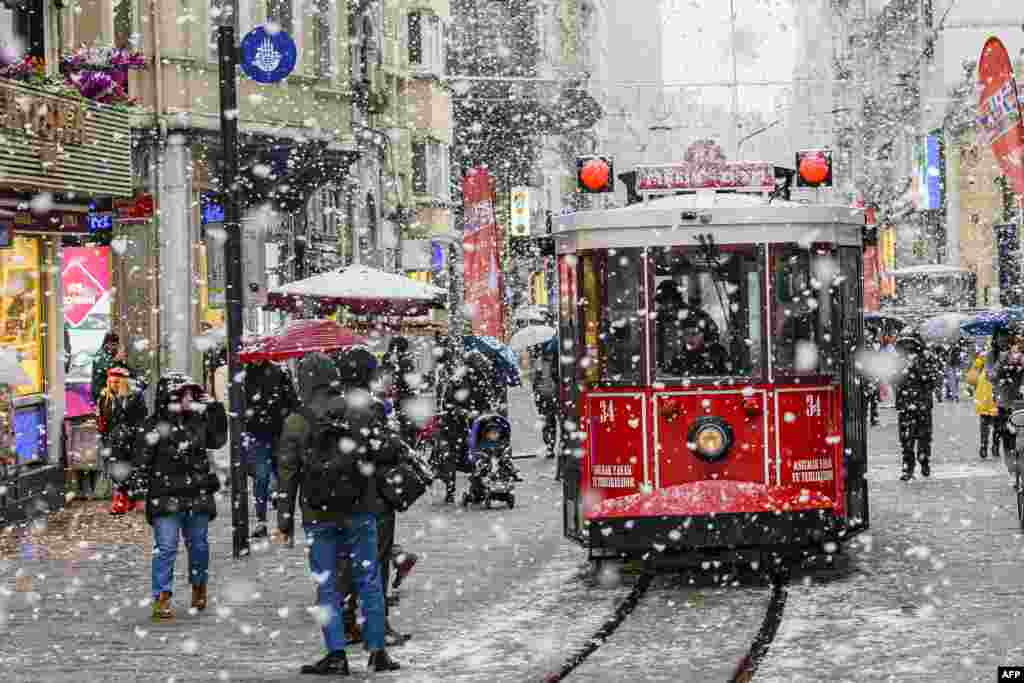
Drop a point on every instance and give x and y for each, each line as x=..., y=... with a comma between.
x=500, y=596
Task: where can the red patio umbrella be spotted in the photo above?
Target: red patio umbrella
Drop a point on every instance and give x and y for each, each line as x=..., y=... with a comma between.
x=300, y=337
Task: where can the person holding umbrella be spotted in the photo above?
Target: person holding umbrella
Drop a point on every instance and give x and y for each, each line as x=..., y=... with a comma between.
x=1005, y=368
x=985, y=407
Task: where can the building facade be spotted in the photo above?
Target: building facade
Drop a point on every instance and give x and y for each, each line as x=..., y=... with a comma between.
x=66, y=160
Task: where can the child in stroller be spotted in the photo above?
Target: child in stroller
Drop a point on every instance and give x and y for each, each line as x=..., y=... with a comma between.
x=493, y=475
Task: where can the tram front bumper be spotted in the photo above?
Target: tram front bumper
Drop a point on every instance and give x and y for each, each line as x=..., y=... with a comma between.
x=640, y=536
x=714, y=515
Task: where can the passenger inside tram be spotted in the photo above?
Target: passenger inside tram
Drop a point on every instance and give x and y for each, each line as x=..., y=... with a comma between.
x=708, y=313
x=688, y=337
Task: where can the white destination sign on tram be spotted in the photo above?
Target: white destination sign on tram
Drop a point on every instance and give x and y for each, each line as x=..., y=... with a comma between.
x=613, y=477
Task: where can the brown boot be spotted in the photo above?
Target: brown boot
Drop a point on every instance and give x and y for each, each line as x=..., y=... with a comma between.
x=162, y=610
x=199, y=597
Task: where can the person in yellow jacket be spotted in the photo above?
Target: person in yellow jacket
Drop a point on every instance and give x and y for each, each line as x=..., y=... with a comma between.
x=984, y=406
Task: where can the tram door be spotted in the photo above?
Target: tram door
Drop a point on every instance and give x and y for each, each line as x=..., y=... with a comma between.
x=851, y=263
x=602, y=300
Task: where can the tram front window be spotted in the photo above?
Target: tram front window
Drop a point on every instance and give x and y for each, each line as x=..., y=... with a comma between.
x=805, y=334
x=708, y=312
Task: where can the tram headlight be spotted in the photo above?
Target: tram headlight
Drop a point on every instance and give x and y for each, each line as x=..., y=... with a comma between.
x=710, y=437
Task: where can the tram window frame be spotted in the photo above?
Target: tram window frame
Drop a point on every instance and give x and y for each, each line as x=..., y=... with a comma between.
x=746, y=297
x=821, y=261
x=568, y=304
x=596, y=270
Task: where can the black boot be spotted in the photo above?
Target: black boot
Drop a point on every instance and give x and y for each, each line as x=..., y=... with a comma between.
x=983, y=452
x=393, y=638
x=926, y=469
x=380, y=660
x=449, y=495
x=334, y=664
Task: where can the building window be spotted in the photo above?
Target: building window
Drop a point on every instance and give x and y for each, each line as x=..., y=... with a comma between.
x=124, y=36
x=322, y=36
x=366, y=49
x=280, y=12
x=430, y=169
x=426, y=43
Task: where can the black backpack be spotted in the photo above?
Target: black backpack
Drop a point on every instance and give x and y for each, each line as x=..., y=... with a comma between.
x=331, y=479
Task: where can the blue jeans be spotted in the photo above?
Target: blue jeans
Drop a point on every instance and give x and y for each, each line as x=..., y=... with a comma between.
x=357, y=540
x=258, y=453
x=193, y=527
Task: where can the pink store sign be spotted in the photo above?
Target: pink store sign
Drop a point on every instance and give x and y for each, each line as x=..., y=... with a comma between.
x=85, y=281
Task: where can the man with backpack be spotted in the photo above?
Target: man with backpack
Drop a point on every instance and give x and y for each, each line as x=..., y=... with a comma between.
x=329, y=454
x=357, y=367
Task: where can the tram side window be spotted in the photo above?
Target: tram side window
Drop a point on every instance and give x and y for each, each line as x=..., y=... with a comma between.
x=805, y=333
x=613, y=324
x=708, y=312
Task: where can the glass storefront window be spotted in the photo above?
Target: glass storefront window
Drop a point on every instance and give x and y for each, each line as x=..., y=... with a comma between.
x=708, y=312
x=805, y=333
x=613, y=316
x=21, y=308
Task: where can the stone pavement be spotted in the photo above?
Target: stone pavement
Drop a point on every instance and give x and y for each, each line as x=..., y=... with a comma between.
x=74, y=596
x=933, y=591
x=930, y=593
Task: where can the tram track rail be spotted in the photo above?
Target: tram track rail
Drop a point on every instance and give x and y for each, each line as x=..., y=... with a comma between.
x=745, y=669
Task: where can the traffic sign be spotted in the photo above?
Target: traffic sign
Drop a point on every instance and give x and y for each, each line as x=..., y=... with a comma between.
x=268, y=56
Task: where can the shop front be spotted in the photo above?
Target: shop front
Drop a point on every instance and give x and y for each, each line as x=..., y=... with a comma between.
x=65, y=157
x=31, y=478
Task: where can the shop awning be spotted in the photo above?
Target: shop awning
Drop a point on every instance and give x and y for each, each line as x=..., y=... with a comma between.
x=361, y=289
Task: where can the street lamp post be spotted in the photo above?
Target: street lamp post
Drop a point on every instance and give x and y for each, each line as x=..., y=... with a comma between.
x=227, y=53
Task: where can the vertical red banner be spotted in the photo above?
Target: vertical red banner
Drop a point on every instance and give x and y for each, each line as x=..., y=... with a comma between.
x=999, y=111
x=482, y=243
x=872, y=285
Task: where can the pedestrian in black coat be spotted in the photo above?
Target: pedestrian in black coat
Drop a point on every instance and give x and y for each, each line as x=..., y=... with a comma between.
x=122, y=407
x=269, y=399
x=174, y=466
x=471, y=392
x=915, y=393
x=1005, y=371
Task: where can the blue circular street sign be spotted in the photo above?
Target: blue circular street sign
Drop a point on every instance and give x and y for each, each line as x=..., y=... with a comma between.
x=268, y=57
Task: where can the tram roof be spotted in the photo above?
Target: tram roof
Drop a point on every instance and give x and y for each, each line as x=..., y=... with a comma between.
x=713, y=208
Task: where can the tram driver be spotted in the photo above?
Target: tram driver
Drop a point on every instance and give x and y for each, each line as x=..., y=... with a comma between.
x=688, y=338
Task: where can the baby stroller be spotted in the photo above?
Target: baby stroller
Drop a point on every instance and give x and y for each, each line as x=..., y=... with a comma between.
x=493, y=475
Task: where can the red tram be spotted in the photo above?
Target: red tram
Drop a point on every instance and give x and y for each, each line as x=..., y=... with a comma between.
x=708, y=364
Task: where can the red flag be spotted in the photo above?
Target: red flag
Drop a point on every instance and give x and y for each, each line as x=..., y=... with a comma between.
x=482, y=244
x=999, y=111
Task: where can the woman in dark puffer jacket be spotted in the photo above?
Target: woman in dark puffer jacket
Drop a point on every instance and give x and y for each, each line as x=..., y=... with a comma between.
x=174, y=467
